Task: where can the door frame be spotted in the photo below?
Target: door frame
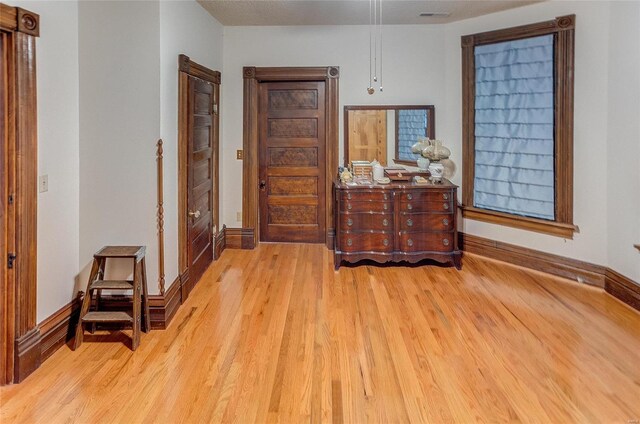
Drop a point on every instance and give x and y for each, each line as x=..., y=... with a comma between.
x=253, y=76
x=19, y=332
x=187, y=68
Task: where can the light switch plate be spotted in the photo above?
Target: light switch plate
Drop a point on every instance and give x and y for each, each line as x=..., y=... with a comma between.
x=238, y=216
x=239, y=154
x=43, y=183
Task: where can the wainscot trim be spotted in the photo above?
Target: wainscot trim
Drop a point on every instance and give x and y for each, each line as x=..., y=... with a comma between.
x=622, y=288
x=27, y=355
x=546, y=262
x=614, y=283
x=60, y=327
x=239, y=238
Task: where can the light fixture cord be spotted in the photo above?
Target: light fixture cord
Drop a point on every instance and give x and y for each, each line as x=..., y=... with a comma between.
x=380, y=45
x=375, y=42
x=370, y=42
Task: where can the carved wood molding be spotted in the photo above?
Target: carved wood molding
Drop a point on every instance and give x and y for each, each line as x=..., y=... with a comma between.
x=249, y=72
x=159, y=160
x=17, y=19
x=195, y=69
x=291, y=74
x=559, y=24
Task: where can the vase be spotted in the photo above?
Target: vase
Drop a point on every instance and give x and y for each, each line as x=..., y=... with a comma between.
x=423, y=163
x=437, y=170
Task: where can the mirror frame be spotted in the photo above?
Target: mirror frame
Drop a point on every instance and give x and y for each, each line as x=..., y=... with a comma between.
x=431, y=127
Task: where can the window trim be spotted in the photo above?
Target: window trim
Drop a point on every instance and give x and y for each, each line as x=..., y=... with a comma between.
x=563, y=29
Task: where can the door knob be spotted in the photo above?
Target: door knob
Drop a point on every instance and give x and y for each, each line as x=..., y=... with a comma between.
x=263, y=185
x=195, y=214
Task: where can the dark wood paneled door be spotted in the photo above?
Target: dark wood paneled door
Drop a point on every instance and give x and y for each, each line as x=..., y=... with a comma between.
x=292, y=161
x=201, y=213
x=6, y=233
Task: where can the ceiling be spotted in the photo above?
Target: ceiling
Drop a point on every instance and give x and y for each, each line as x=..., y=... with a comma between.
x=349, y=12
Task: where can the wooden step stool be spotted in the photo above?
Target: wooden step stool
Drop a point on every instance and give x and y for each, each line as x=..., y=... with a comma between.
x=97, y=283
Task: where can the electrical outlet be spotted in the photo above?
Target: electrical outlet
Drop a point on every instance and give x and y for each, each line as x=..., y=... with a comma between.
x=239, y=154
x=238, y=216
x=43, y=183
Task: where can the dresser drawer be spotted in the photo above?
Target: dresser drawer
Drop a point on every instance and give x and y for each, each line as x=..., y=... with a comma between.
x=427, y=196
x=428, y=242
x=425, y=206
x=366, y=221
x=417, y=222
x=366, y=242
x=362, y=195
x=366, y=206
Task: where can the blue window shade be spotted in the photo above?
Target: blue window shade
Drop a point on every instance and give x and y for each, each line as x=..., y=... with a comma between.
x=514, y=127
x=411, y=123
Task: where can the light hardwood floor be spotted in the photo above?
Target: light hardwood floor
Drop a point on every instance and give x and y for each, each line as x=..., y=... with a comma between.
x=275, y=334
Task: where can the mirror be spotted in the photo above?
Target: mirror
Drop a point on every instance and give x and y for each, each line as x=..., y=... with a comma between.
x=386, y=133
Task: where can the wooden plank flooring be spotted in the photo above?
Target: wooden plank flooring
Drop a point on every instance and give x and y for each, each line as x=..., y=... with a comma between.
x=275, y=335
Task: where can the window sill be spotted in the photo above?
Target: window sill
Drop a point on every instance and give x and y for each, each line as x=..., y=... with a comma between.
x=405, y=162
x=557, y=229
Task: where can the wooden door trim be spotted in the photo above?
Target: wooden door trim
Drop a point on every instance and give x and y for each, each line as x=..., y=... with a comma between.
x=254, y=76
x=20, y=332
x=188, y=68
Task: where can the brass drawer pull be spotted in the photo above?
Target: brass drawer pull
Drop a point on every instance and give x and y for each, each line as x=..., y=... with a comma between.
x=409, y=196
x=445, y=242
x=385, y=242
x=349, y=222
x=445, y=205
x=349, y=206
x=385, y=222
x=409, y=242
x=385, y=207
x=384, y=196
x=349, y=196
x=349, y=242
x=409, y=223
x=445, y=222
x=445, y=196
x=409, y=207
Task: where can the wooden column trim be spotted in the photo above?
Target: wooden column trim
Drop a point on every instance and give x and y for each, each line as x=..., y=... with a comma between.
x=252, y=77
x=20, y=28
x=160, y=190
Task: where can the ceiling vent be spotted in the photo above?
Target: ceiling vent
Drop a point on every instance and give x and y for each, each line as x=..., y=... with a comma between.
x=436, y=14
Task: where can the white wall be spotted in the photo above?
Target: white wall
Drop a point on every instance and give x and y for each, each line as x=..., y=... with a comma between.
x=58, y=209
x=590, y=120
x=423, y=66
x=185, y=28
x=413, y=74
x=107, y=89
x=623, y=140
x=119, y=51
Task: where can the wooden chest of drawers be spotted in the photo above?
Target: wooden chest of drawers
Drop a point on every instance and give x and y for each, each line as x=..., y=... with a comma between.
x=396, y=222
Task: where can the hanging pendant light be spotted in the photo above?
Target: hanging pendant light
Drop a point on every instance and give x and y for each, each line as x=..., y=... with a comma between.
x=375, y=44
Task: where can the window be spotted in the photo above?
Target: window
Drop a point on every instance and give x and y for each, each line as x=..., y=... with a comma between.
x=411, y=125
x=518, y=126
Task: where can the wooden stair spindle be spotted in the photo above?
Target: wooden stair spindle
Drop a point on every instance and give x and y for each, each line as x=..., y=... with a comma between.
x=139, y=316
